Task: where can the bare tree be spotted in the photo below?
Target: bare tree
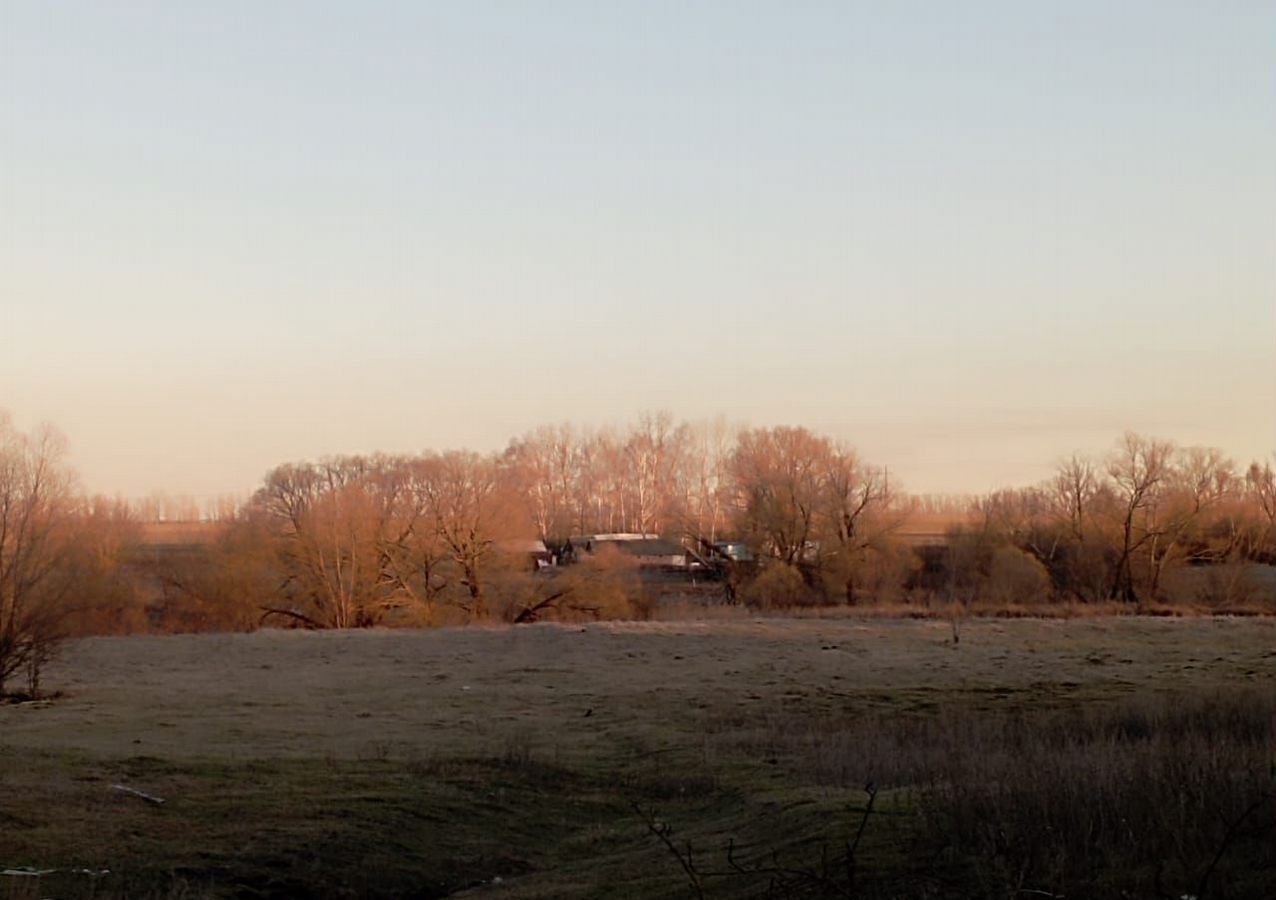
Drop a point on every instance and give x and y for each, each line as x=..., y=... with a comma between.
x=1138, y=469
x=654, y=452
x=1074, y=487
x=859, y=515
x=778, y=480
x=106, y=539
x=1260, y=488
x=414, y=560
x=1079, y=501
x=709, y=455
x=36, y=539
x=471, y=512
x=1198, y=481
x=545, y=463
x=329, y=542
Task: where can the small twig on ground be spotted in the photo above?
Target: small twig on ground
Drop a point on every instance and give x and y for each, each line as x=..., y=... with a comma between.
x=781, y=880
x=133, y=792
x=853, y=845
x=664, y=832
x=1233, y=831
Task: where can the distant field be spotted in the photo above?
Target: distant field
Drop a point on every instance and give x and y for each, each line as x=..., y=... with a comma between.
x=508, y=760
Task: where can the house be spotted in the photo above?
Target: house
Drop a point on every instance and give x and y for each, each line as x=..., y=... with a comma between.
x=736, y=551
x=537, y=555
x=649, y=551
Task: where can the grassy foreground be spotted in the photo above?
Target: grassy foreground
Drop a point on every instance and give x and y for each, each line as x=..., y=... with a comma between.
x=1086, y=758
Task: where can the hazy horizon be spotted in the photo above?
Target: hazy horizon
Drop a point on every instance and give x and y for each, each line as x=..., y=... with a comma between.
x=970, y=240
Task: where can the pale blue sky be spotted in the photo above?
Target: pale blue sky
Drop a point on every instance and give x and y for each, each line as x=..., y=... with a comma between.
x=968, y=237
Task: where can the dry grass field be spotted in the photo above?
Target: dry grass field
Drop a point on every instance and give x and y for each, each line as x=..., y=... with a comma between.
x=547, y=761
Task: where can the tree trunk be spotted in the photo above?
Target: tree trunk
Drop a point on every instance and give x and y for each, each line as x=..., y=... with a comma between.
x=478, y=608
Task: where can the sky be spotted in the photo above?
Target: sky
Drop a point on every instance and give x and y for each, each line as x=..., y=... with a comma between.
x=969, y=238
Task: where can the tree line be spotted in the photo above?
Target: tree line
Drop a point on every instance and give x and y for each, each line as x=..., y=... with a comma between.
x=441, y=537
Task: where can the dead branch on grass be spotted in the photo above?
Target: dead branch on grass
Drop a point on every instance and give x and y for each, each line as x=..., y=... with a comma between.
x=833, y=877
x=268, y=611
x=1233, y=832
x=529, y=614
x=664, y=833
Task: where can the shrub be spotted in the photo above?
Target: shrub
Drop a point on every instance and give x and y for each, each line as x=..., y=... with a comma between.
x=1016, y=577
x=778, y=586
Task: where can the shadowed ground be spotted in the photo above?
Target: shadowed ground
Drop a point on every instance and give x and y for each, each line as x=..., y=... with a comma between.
x=383, y=763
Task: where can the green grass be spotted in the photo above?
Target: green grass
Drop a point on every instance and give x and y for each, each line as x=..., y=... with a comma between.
x=385, y=827
x=1012, y=762
x=969, y=803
